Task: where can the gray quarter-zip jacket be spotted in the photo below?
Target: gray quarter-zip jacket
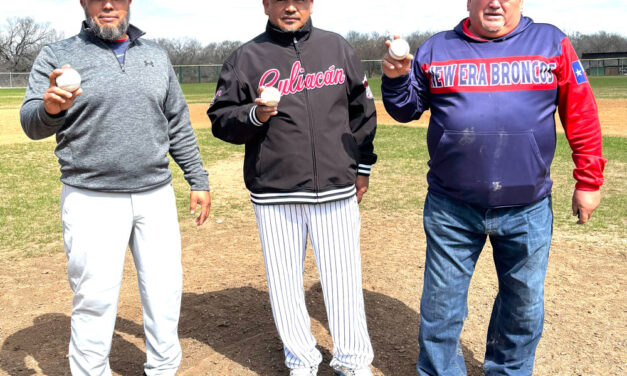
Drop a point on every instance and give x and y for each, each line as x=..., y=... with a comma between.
x=117, y=134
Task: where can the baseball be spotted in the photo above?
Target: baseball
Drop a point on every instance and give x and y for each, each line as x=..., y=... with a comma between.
x=70, y=80
x=271, y=96
x=399, y=49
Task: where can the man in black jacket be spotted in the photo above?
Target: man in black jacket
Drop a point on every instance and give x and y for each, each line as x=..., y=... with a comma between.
x=307, y=166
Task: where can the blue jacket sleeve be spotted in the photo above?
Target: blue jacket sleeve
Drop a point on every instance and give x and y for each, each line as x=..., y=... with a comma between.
x=406, y=97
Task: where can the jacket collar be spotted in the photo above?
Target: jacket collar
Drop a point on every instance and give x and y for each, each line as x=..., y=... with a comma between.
x=287, y=37
x=133, y=33
x=463, y=29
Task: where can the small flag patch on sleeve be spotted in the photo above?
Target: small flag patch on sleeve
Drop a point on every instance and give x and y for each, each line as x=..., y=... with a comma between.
x=579, y=72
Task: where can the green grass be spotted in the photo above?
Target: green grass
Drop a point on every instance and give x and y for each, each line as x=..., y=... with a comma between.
x=11, y=98
x=199, y=93
x=375, y=85
x=399, y=180
x=29, y=210
x=194, y=93
x=603, y=87
x=611, y=87
x=30, y=191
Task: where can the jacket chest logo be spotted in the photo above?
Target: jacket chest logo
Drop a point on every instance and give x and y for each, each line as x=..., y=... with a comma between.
x=299, y=80
x=149, y=63
x=493, y=74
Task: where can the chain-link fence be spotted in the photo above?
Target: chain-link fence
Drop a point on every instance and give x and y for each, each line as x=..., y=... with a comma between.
x=197, y=74
x=209, y=73
x=12, y=79
x=605, y=67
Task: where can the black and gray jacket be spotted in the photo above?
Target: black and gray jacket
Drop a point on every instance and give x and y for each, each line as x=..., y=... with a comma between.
x=117, y=135
x=321, y=139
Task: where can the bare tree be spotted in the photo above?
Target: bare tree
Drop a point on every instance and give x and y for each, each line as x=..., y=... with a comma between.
x=417, y=38
x=182, y=51
x=367, y=46
x=598, y=42
x=188, y=51
x=217, y=53
x=21, y=39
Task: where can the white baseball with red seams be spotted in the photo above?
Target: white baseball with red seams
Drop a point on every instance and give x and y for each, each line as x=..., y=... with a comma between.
x=271, y=96
x=399, y=49
x=70, y=80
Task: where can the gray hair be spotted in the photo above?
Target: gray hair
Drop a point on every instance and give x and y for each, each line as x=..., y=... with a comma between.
x=108, y=33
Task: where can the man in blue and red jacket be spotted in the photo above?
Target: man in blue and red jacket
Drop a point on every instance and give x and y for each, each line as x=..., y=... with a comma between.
x=493, y=85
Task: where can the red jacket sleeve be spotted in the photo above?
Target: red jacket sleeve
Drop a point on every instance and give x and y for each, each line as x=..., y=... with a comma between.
x=579, y=115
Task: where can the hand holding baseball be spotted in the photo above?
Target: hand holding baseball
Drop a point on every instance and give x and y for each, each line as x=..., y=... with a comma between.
x=396, y=66
x=56, y=99
x=267, y=105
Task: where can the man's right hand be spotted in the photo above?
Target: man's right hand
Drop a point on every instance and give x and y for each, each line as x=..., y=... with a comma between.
x=395, y=68
x=263, y=112
x=57, y=100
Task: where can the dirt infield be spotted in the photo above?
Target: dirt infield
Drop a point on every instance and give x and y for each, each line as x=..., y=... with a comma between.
x=226, y=324
x=612, y=113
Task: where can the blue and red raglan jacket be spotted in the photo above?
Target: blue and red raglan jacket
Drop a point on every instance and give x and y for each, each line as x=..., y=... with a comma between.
x=491, y=136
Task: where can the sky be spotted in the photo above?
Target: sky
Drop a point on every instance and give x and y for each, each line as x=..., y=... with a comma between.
x=218, y=20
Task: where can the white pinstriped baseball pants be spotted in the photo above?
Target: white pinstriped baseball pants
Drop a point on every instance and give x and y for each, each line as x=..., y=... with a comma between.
x=97, y=228
x=333, y=229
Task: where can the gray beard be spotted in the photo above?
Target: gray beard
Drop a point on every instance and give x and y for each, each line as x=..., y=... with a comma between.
x=108, y=33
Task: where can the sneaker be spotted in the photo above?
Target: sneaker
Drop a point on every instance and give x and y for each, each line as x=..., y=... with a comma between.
x=311, y=371
x=344, y=371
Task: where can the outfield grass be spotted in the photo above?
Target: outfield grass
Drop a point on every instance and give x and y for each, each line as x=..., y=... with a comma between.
x=11, y=98
x=199, y=93
x=603, y=87
x=609, y=87
x=30, y=188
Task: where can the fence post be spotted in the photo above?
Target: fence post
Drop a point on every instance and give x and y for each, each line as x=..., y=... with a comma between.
x=198, y=73
x=180, y=75
x=10, y=79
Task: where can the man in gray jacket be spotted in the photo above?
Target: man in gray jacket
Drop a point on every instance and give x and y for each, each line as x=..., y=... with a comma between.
x=113, y=136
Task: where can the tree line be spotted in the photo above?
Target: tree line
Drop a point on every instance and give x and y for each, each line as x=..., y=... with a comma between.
x=21, y=39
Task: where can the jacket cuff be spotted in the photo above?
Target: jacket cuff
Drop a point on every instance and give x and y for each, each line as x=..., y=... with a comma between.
x=252, y=116
x=363, y=169
x=199, y=181
x=395, y=83
x=582, y=186
x=53, y=121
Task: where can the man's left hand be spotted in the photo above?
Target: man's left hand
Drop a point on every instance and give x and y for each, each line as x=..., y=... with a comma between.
x=202, y=198
x=362, y=186
x=584, y=203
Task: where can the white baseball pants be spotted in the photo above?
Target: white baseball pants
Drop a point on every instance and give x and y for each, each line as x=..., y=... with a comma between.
x=97, y=228
x=333, y=229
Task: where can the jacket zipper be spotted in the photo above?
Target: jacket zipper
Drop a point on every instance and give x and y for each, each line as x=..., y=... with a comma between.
x=309, y=119
x=122, y=65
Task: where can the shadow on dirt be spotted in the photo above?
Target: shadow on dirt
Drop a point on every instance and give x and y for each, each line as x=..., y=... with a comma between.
x=236, y=323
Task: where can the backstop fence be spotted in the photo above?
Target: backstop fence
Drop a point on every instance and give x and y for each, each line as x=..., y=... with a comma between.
x=193, y=74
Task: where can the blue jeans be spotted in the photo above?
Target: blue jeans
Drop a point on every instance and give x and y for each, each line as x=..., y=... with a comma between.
x=456, y=233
